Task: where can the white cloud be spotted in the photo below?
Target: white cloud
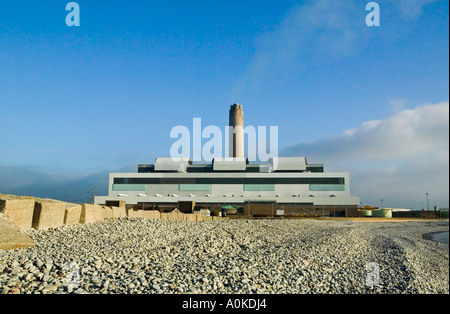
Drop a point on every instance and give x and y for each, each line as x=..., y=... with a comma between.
x=399, y=158
x=411, y=9
x=397, y=105
x=312, y=32
x=405, y=134
x=317, y=31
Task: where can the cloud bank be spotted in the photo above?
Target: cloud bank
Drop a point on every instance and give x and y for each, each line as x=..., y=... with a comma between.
x=65, y=187
x=71, y=188
x=398, y=159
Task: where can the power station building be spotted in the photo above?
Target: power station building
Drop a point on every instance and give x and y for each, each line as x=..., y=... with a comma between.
x=284, y=186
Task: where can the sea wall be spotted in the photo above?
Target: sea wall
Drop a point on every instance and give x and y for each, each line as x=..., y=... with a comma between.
x=29, y=212
x=19, y=209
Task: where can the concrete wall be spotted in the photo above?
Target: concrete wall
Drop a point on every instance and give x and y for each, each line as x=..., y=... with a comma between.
x=19, y=210
x=107, y=212
x=164, y=216
x=91, y=213
x=48, y=214
x=173, y=216
x=191, y=217
x=135, y=213
x=29, y=212
x=119, y=212
x=11, y=237
x=72, y=215
x=151, y=214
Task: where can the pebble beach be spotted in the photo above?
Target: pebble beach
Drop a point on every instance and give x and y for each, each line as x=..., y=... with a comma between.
x=134, y=256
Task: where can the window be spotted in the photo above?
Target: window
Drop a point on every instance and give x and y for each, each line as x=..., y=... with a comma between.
x=194, y=187
x=327, y=187
x=246, y=181
x=260, y=187
x=128, y=187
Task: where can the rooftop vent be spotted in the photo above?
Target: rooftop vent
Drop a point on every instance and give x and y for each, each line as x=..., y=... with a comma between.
x=288, y=164
x=229, y=164
x=172, y=165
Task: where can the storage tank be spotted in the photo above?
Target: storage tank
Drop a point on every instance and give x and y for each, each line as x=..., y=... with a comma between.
x=382, y=213
x=366, y=213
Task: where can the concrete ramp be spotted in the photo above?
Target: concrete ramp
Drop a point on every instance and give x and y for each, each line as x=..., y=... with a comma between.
x=11, y=237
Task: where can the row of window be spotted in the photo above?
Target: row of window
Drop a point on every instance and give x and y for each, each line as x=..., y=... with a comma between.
x=247, y=181
x=207, y=187
x=209, y=169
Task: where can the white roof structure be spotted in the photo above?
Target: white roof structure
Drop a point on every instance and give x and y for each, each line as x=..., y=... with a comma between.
x=230, y=164
x=172, y=165
x=288, y=163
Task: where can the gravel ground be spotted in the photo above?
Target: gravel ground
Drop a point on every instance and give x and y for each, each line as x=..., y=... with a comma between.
x=237, y=256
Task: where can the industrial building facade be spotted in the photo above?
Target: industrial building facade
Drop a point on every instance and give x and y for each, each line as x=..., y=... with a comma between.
x=286, y=185
x=302, y=189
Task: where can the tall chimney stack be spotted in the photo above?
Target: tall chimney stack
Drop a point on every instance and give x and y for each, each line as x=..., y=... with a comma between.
x=237, y=131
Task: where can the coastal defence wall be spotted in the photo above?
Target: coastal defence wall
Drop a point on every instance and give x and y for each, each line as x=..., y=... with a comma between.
x=41, y=214
x=19, y=209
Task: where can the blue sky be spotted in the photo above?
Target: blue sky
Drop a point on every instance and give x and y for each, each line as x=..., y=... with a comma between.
x=79, y=102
